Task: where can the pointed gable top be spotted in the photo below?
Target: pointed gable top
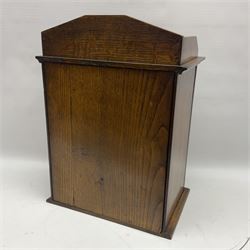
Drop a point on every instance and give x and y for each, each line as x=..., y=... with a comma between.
x=113, y=38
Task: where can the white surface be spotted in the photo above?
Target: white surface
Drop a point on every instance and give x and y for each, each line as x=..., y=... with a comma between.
x=215, y=216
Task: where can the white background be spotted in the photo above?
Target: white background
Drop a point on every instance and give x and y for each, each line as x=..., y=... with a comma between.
x=216, y=215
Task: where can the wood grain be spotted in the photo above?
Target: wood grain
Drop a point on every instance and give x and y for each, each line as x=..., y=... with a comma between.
x=118, y=96
x=180, y=136
x=58, y=106
x=109, y=136
x=112, y=38
x=127, y=65
x=176, y=213
x=171, y=226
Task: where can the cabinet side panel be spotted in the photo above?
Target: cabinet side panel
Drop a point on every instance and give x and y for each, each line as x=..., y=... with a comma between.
x=189, y=49
x=180, y=136
x=58, y=102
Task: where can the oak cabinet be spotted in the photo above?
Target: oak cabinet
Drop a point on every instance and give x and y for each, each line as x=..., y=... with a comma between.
x=118, y=97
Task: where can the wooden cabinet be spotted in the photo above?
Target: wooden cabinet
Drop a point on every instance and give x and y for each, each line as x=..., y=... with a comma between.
x=118, y=95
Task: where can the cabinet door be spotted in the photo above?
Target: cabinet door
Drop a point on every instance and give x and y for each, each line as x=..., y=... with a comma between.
x=108, y=131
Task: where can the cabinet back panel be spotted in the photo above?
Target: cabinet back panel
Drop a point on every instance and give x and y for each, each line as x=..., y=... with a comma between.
x=108, y=134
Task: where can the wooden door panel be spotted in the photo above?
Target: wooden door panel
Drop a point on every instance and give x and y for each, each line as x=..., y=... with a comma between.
x=111, y=127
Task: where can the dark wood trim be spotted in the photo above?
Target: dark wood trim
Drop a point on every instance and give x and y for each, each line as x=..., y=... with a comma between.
x=115, y=64
x=171, y=226
x=175, y=216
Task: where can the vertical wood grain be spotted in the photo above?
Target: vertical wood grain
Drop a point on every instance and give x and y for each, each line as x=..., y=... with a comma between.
x=111, y=156
x=180, y=136
x=112, y=38
x=58, y=102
